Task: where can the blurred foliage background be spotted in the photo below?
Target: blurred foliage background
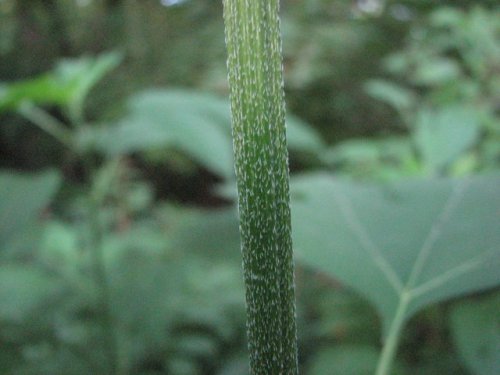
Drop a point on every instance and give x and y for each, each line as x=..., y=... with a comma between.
x=119, y=247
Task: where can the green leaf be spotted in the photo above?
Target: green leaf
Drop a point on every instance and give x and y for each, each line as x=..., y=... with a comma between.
x=59, y=249
x=67, y=85
x=361, y=151
x=24, y=291
x=475, y=328
x=179, y=119
x=442, y=136
x=446, y=17
x=159, y=280
x=81, y=75
x=344, y=360
x=402, y=246
x=436, y=71
x=196, y=345
x=342, y=314
x=382, y=159
x=237, y=364
x=22, y=196
x=395, y=95
x=301, y=137
x=44, y=90
x=197, y=124
x=85, y=72
x=214, y=233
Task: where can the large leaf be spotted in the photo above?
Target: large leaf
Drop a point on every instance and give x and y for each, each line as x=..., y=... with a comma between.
x=476, y=332
x=402, y=246
x=22, y=196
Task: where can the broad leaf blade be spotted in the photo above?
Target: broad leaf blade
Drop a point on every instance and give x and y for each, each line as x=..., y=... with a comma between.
x=433, y=239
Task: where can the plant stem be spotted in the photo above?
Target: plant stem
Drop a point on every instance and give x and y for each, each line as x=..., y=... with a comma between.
x=391, y=341
x=55, y=128
x=261, y=160
x=110, y=339
x=47, y=123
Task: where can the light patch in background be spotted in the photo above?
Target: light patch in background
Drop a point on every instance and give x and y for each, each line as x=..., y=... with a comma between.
x=370, y=6
x=83, y=3
x=401, y=12
x=168, y=3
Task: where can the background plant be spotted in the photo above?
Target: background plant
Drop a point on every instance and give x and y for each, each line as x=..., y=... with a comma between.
x=167, y=202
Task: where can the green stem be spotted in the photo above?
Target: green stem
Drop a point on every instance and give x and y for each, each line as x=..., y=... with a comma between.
x=55, y=128
x=392, y=340
x=100, y=275
x=47, y=123
x=261, y=160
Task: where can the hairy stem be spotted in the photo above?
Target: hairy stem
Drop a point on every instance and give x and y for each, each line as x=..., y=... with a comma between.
x=261, y=161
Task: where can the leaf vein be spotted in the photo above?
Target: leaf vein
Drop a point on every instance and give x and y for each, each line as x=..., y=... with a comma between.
x=435, y=231
x=367, y=243
x=451, y=274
